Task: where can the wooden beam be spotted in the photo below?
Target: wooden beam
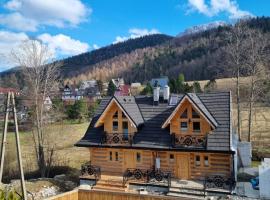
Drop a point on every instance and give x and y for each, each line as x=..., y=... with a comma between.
x=19, y=156
x=4, y=137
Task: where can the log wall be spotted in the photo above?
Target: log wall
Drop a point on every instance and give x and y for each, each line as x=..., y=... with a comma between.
x=218, y=163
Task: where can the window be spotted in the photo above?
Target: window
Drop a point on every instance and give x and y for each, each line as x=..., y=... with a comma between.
x=115, y=115
x=123, y=115
x=138, y=157
x=195, y=114
x=115, y=125
x=171, y=157
x=116, y=156
x=206, y=162
x=184, y=126
x=198, y=161
x=196, y=126
x=110, y=156
x=184, y=115
x=125, y=130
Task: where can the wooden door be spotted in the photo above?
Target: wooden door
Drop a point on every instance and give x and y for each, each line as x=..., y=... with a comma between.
x=182, y=166
x=129, y=161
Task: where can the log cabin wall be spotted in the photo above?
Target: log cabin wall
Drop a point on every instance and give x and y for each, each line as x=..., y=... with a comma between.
x=184, y=114
x=120, y=117
x=118, y=160
x=183, y=165
x=219, y=164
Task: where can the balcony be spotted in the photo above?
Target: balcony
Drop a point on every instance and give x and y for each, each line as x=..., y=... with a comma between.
x=153, y=176
x=189, y=141
x=117, y=139
x=90, y=171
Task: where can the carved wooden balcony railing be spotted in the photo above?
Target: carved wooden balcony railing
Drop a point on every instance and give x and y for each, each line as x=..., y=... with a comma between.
x=92, y=171
x=117, y=139
x=150, y=175
x=192, y=141
x=219, y=182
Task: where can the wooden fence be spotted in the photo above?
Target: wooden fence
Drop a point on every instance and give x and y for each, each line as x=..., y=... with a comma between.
x=108, y=195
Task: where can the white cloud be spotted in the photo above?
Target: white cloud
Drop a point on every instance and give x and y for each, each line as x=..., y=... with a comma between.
x=60, y=45
x=29, y=15
x=63, y=44
x=215, y=7
x=18, y=22
x=9, y=41
x=135, y=33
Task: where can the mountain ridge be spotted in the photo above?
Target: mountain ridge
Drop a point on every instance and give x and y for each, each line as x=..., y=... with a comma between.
x=197, y=55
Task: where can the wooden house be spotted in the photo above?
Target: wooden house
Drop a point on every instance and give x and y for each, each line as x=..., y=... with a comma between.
x=179, y=137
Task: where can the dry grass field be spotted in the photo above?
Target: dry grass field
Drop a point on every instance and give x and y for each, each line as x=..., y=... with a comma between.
x=62, y=136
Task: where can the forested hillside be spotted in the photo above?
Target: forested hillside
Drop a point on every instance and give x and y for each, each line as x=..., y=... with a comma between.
x=198, y=56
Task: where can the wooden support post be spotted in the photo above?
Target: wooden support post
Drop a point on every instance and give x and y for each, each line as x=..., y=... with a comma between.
x=4, y=138
x=19, y=156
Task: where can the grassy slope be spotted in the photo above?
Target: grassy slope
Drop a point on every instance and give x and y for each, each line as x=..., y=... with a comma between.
x=63, y=136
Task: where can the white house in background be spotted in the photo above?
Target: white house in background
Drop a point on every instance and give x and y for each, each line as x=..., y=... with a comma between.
x=118, y=82
x=88, y=84
x=71, y=94
x=48, y=103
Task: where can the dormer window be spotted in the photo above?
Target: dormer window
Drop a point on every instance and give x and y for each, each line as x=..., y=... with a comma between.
x=115, y=115
x=184, y=126
x=195, y=114
x=184, y=115
x=115, y=125
x=196, y=126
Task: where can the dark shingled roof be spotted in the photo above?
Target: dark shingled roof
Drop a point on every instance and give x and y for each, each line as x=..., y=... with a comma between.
x=215, y=105
x=129, y=104
x=202, y=107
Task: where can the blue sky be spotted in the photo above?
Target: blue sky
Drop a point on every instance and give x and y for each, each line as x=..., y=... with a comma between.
x=70, y=27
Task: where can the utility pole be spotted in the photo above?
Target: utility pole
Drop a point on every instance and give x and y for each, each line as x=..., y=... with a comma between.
x=4, y=137
x=19, y=156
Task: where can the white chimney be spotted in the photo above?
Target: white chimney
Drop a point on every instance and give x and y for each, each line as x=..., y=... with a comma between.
x=156, y=94
x=166, y=93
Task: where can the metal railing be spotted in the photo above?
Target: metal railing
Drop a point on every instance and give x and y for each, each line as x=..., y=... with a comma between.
x=195, y=141
x=218, y=182
x=117, y=139
x=149, y=175
x=91, y=170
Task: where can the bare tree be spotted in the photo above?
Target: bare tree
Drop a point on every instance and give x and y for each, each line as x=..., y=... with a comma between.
x=256, y=67
x=235, y=53
x=42, y=77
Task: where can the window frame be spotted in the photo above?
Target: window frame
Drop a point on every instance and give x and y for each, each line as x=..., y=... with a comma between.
x=198, y=162
x=171, y=157
x=113, y=129
x=115, y=115
x=184, y=112
x=185, y=129
x=140, y=157
x=196, y=130
x=110, y=156
x=204, y=161
x=116, y=154
x=195, y=114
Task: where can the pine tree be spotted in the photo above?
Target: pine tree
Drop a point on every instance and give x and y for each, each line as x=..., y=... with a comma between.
x=111, y=89
x=197, y=87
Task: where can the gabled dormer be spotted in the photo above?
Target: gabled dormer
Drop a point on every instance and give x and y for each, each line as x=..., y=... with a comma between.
x=120, y=119
x=190, y=121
